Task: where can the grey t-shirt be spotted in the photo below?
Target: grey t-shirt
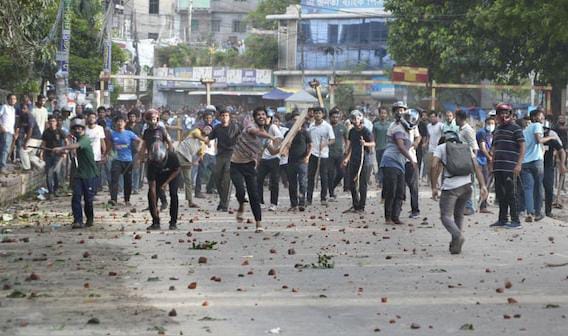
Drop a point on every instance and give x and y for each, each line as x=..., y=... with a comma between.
x=450, y=182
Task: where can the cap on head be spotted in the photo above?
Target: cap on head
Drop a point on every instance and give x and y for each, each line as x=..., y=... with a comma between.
x=399, y=104
x=503, y=107
x=77, y=122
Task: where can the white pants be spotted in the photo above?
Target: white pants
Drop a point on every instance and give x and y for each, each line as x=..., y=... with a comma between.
x=30, y=156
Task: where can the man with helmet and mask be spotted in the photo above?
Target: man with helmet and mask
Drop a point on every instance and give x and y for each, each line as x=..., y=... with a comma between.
x=246, y=154
x=162, y=170
x=393, y=163
x=85, y=177
x=356, y=158
x=508, y=152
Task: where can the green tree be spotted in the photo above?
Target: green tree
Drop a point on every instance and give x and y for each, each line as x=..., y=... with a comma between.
x=466, y=41
x=344, y=98
x=258, y=19
x=261, y=51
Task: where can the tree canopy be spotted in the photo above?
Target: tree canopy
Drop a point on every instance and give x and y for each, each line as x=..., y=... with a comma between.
x=467, y=41
x=258, y=19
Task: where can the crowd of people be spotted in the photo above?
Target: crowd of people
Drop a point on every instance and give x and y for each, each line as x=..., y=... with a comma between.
x=225, y=148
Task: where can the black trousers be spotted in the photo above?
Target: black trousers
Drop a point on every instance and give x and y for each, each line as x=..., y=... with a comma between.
x=393, y=192
x=506, y=192
x=222, y=175
x=245, y=173
x=336, y=173
x=174, y=202
x=266, y=167
x=411, y=178
x=358, y=190
x=323, y=168
x=548, y=183
x=123, y=168
x=296, y=172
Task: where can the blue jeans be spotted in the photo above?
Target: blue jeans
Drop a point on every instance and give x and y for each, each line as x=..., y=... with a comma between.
x=52, y=172
x=297, y=172
x=205, y=168
x=83, y=188
x=5, y=144
x=532, y=176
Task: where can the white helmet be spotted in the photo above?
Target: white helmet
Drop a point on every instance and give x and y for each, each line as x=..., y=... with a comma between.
x=356, y=115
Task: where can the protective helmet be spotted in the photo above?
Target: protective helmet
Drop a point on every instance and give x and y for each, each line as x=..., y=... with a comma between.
x=546, y=125
x=356, y=115
x=151, y=113
x=211, y=108
x=399, y=104
x=503, y=107
x=77, y=122
x=451, y=135
x=158, y=152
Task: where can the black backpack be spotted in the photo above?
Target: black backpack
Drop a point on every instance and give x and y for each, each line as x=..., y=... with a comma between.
x=458, y=159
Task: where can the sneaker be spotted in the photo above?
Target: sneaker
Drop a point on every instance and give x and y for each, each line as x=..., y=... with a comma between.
x=153, y=227
x=529, y=218
x=414, y=215
x=499, y=224
x=292, y=209
x=164, y=206
x=397, y=222
x=350, y=210
x=173, y=226
x=538, y=217
x=514, y=226
x=111, y=203
x=77, y=225
x=456, y=245
x=333, y=198
x=199, y=195
x=272, y=207
x=89, y=222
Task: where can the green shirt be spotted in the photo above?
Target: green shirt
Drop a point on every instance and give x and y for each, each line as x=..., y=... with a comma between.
x=340, y=132
x=87, y=168
x=380, y=129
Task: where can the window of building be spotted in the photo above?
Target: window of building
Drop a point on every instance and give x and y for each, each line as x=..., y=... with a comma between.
x=216, y=26
x=194, y=25
x=153, y=36
x=239, y=26
x=332, y=33
x=154, y=6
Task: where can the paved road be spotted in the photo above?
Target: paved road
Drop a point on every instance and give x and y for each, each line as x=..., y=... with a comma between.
x=393, y=280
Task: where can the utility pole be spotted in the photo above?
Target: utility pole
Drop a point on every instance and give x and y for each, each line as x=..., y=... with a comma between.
x=190, y=19
x=62, y=56
x=107, y=54
x=137, y=56
x=301, y=34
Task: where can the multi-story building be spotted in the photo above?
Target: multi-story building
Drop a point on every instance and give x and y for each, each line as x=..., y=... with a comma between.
x=218, y=22
x=325, y=40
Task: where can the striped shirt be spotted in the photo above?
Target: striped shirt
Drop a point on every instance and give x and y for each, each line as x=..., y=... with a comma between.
x=506, y=143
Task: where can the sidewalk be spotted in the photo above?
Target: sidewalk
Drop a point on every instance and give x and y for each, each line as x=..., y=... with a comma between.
x=371, y=278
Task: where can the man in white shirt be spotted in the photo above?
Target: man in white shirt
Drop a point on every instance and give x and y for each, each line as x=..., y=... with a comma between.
x=97, y=135
x=434, y=135
x=322, y=136
x=270, y=164
x=39, y=112
x=7, y=124
x=467, y=135
x=456, y=191
x=410, y=175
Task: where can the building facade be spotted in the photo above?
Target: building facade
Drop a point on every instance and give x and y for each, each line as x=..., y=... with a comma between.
x=325, y=41
x=205, y=22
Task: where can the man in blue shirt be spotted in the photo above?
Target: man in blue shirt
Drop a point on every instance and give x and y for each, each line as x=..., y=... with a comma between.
x=533, y=166
x=123, y=142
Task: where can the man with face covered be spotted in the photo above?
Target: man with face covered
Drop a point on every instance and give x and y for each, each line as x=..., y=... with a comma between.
x=508, y=152
x=246, y=154
x=394, y=161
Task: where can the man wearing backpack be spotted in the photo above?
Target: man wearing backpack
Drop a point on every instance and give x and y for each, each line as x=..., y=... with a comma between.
x=458, y=163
